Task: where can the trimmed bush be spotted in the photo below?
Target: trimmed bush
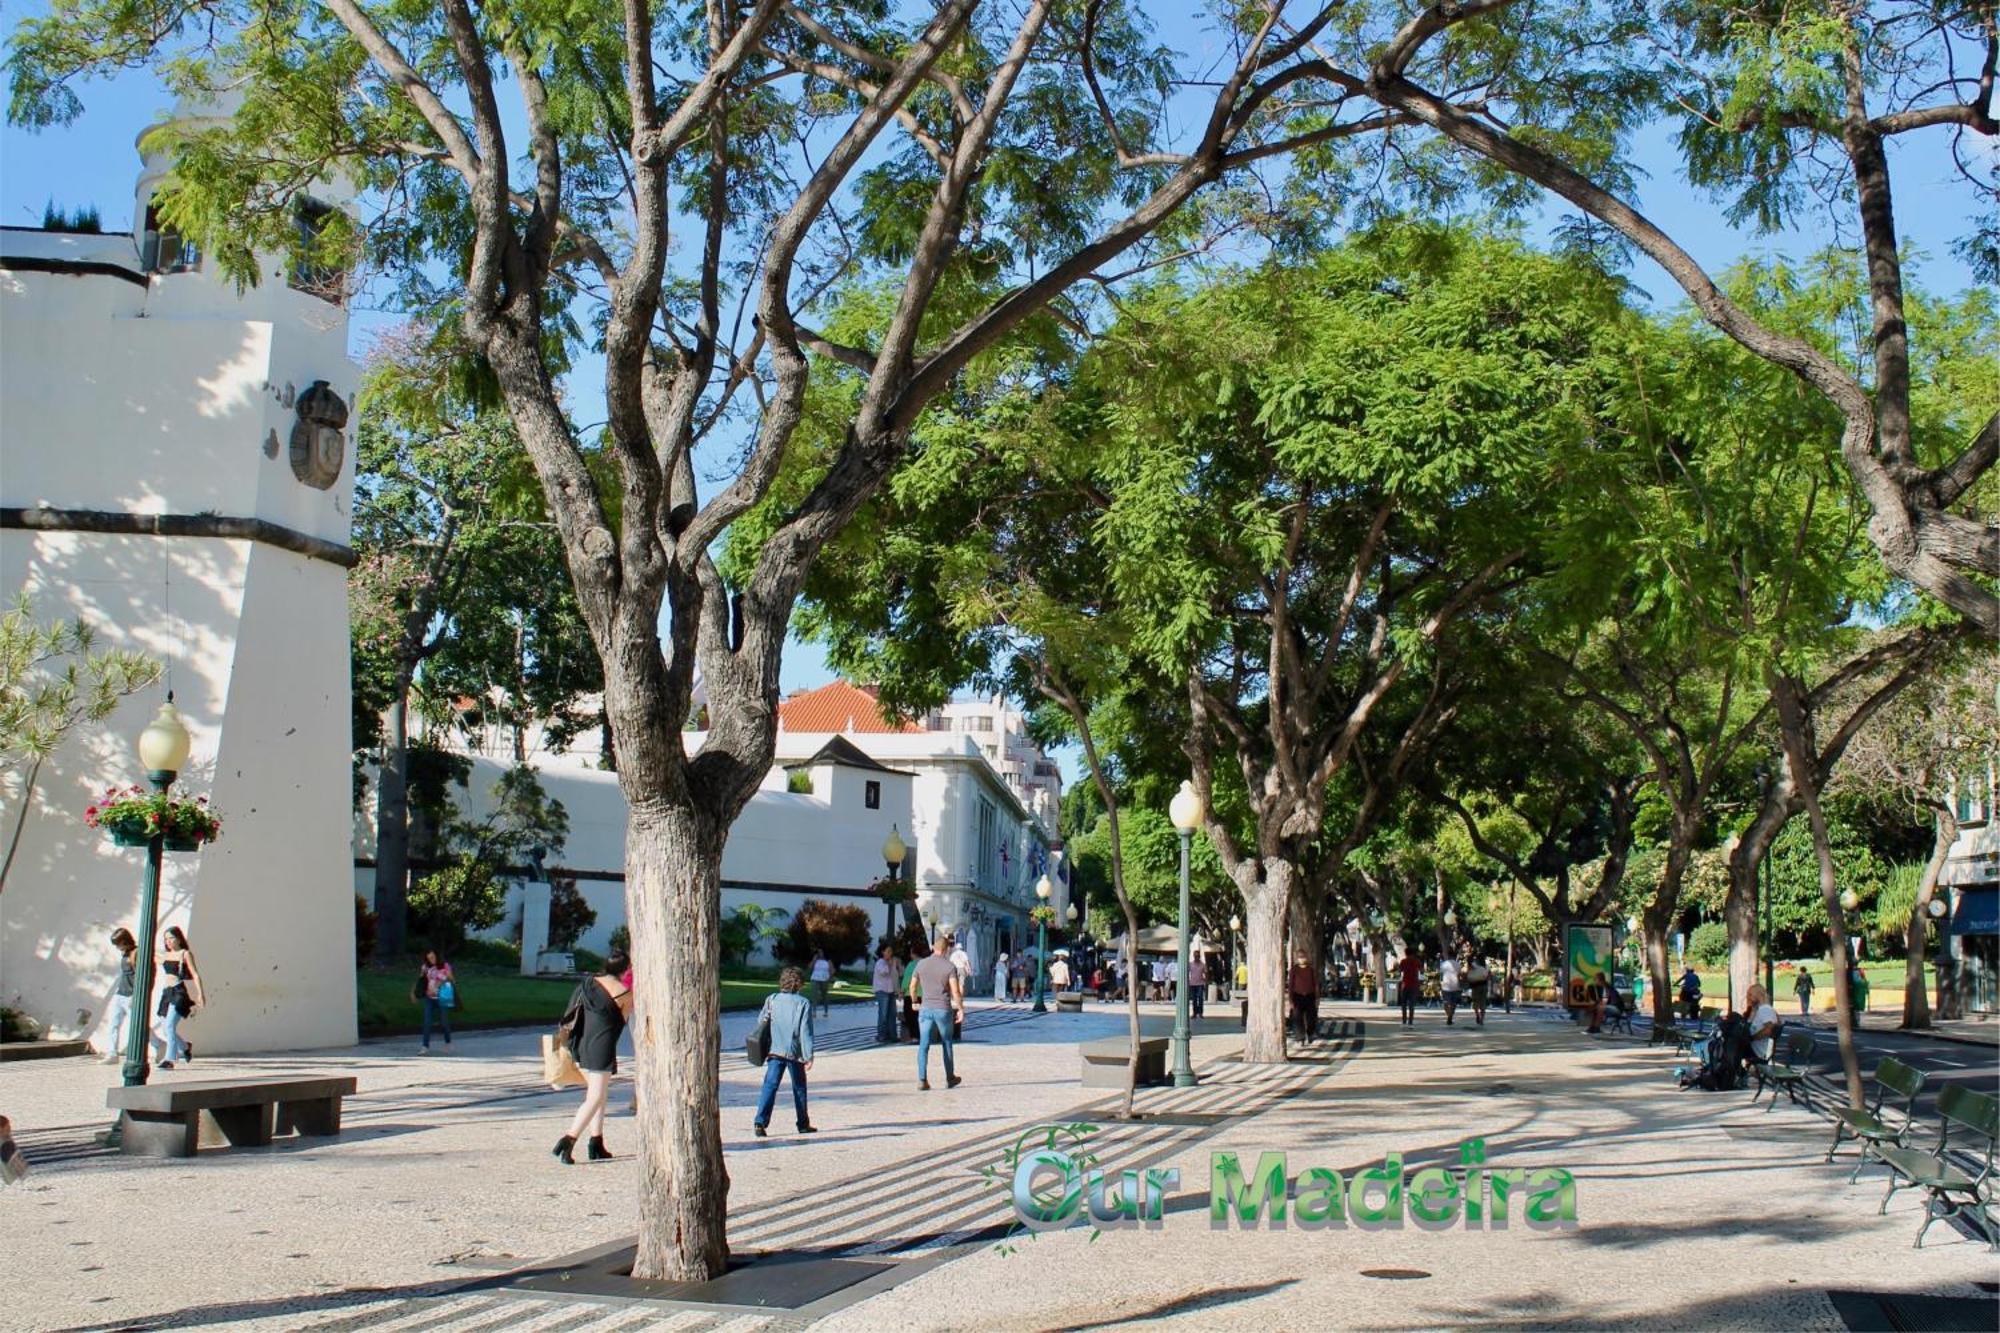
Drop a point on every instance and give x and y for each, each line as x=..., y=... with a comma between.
x=840, y=930
x=1709, y=944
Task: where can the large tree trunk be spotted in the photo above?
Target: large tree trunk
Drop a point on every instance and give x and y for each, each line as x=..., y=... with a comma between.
x=1916, y=1004
x=1739, y=908
x=1793, y=725
x=1658, y=919
x=392, y=827
x=673, y=895
x=1305, y=920
x=1266, y=903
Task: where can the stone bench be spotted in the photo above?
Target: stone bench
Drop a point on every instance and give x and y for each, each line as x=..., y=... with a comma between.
x=176, y=1119
x=1069, y=1002
x=1104, y=1061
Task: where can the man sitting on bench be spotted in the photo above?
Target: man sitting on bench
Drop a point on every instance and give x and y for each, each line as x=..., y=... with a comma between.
x=1763, y=1022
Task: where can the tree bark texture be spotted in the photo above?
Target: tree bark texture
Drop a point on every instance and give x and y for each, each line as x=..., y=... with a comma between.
x=1794, y=724
x=673, y=889
x=1916, y=1003
x=392, y=829
x=1266, y=904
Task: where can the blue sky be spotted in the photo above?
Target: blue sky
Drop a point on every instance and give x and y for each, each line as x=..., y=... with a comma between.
x=93, y=162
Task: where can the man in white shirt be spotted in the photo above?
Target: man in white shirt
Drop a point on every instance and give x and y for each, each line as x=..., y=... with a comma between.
x=1448, y=984
x=1059, y=974
x=1763, y=1022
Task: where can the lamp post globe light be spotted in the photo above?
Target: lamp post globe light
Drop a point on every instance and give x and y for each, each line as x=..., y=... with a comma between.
x=894, y=849
x=1185, y=812
x=1043, y=888
x=163, y=749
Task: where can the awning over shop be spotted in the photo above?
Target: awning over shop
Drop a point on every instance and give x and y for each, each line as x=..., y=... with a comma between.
x=1978, y=912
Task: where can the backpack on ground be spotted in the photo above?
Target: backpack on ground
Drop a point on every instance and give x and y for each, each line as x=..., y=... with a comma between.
x=1723, y=1057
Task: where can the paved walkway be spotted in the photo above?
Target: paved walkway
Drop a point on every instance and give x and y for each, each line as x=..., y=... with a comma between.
x=1694, y=1210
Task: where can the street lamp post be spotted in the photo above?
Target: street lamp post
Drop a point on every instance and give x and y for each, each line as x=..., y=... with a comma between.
x=894, y=849
x=1185, y=812
x=1043, y=888
x=163, y=749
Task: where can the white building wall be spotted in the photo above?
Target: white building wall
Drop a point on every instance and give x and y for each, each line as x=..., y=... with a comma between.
x=827, y=843
x=787, y=846
x=163, y=398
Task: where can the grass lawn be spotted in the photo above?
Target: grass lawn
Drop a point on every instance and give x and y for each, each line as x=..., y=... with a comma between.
x=498, y=996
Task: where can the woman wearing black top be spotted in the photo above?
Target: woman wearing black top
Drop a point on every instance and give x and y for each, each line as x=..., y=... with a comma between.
x=604, y=1002
x=178, y=999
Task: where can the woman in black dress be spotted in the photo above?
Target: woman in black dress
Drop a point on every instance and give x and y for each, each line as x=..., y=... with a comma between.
x=604, y=1002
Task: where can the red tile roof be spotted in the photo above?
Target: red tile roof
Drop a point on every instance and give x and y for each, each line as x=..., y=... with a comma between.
x=840, y=706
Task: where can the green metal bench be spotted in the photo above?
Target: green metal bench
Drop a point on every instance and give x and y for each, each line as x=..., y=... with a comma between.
x=1789, y=1073
x=1869, y=1126
x=1954, y=1192
x=1684, y=1037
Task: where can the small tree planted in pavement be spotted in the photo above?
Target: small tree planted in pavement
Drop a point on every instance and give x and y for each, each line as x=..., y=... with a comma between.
x=840, y=930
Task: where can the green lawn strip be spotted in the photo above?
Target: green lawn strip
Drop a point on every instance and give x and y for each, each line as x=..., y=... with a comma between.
x=490, y=997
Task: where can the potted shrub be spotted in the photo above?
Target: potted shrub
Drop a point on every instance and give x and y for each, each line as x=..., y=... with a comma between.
x=133, y=816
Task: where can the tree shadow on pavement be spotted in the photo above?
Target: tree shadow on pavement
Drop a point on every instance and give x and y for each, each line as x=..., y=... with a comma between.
x=1206, y=1300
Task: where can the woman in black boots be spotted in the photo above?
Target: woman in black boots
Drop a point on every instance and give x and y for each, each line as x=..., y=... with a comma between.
x=604, y=1001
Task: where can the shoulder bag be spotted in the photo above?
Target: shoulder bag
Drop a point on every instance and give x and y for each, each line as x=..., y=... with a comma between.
x=757, y=1046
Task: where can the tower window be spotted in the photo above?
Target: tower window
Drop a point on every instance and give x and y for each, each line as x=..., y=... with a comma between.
x=871, y=795
x=163, y=249
x=327, y=282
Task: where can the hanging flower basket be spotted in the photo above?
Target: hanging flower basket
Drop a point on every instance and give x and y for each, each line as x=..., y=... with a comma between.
x=893, y=890
x=1043, y=915
x=133, y=817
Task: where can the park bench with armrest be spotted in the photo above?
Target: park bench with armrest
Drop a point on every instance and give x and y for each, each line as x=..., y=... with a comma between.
x=1788, y=1073
x=175, y=1119
x=1869, y=1126
x=1954, y=1191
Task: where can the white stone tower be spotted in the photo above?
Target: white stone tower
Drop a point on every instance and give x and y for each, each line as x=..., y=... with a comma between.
x=176, y=466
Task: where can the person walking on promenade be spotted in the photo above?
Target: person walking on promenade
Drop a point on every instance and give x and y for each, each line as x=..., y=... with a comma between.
x=1802, y=987
x=1304, y=989
x=1197, y=985
x=961, y=963
x=120, y=1005
x=885, y=994
x=934, y=985
x=1448, y=986
x=1000, y=980
x=1477, y=978
x=791, y=1017
x=1409, y=983
x=180, y=999
x=602, y=1004
x=1059, y=975
x=822, y=976
x=435, y=990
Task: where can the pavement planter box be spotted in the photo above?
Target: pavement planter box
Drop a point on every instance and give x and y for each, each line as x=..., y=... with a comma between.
x=177, y=1119
x=1069, y=1002
x=1104, y=1061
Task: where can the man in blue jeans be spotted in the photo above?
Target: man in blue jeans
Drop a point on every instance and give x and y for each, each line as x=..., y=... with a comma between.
x=939, y=995
x=885, y=995
x=791, y=1016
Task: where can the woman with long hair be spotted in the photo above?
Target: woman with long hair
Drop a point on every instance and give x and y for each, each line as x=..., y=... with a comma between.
x=603, y=1002
x=434, y=990
x=120, y=1007
x=180, y=999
